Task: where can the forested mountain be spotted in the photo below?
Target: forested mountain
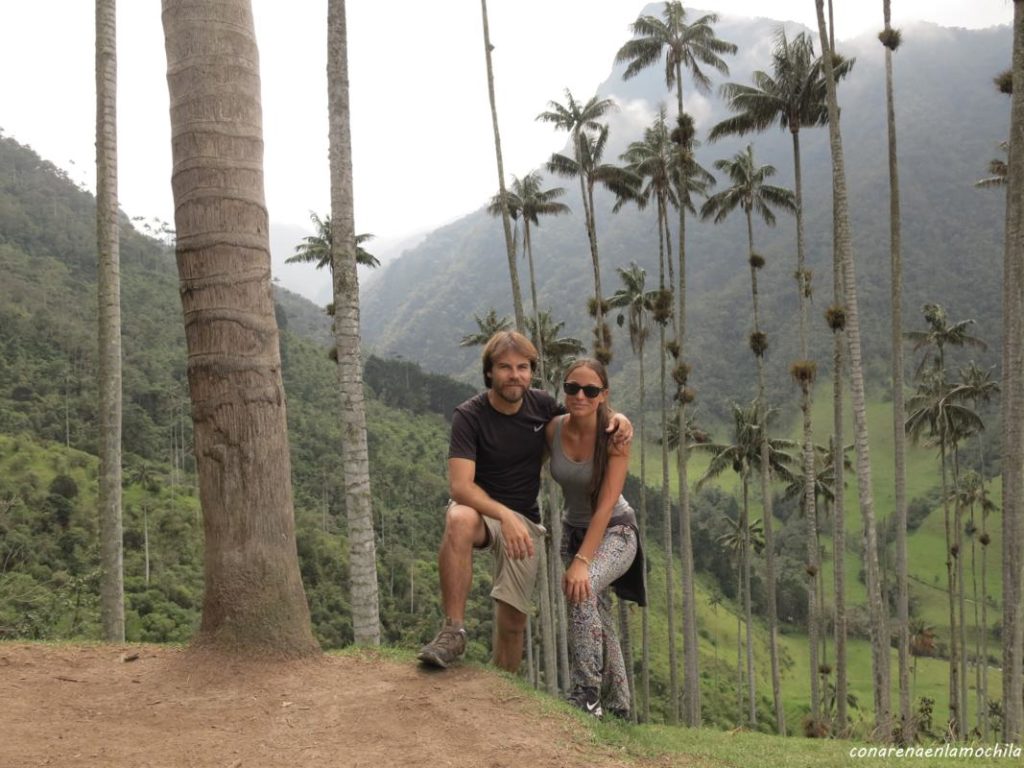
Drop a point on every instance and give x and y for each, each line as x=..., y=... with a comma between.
x=48, y=433
x=950, y=121
x=48, y=468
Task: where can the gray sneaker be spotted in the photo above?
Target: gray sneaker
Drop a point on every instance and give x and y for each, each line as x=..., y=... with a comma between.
x=449, y=644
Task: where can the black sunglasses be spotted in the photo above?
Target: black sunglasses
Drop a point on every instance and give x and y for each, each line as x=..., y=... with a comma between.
x=572, y=388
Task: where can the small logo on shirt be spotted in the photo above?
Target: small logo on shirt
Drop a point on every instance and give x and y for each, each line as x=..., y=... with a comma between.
x=539, y=427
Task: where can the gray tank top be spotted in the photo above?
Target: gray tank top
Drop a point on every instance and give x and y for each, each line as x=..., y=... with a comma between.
x=574, y=479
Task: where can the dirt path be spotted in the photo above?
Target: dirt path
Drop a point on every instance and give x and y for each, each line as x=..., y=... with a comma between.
x=87, y=706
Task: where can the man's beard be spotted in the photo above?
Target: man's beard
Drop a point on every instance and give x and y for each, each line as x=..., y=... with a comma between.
x=514, y=393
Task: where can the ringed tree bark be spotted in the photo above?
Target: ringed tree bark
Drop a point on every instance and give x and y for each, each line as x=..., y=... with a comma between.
x=354, y=447
x=254, y=602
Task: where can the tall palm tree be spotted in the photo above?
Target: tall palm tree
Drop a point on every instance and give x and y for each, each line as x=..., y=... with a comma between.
x=851, y=312
x=354, y=447
x=587, y=138
x=316, y=248
x=946, y=421
x=685, y=47
x=977, y=386
x=253, y=599
x=649, y=161
x=635, y=304
x=487, y=326
x=750, y=450
x=528, y=201
x=108, y=278
x=793, y=96
x=559, y=351
x=940, y=334
x=890, y=39
x=510, y=247
x=751, y=194
x=689, y=180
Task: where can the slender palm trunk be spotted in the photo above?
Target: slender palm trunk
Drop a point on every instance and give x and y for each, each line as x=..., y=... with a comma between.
x=645, y=640
x=806, y=392
x=898, y=408
x=109, y=321
x=549, y=554
x=748, y=613
x=1013, y=402
x=958, y=530
x=844, y=249
x=601, y=340
x=691, y=646
x=955, y=715
x=978, y=658
x=513, y=271
x=766, y=500
x=666, y=504
x=352, y=407
x=739, y=629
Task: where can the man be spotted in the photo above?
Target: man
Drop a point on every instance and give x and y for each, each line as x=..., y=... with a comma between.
x=494, y=462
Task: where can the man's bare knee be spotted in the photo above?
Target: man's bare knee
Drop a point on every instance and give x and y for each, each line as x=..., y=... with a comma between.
x=464, y=526
x=511, y=621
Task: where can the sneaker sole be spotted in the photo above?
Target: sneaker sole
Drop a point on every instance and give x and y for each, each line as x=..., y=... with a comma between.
x=432, y=660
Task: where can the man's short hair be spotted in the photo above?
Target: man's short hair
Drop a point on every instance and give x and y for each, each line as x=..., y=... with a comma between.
x=507, y=341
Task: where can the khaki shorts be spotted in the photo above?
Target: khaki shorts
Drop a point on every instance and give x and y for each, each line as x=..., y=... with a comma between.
x=513, y=580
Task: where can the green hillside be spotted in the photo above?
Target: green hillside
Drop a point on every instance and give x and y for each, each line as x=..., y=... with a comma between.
x=426, y=300
x=48, y=528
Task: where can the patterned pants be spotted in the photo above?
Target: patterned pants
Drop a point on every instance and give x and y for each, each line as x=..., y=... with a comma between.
x=595, y=653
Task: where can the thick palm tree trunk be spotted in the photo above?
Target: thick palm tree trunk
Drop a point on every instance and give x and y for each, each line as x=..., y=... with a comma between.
x=506, y=222
x=844, y=251
x=354, y=450
x=898, y=409
x=1013, y=401
x=109, y=321
x=766, y=500
x=253, y=599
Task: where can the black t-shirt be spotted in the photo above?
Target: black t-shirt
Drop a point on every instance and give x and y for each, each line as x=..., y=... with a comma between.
x=508, y=448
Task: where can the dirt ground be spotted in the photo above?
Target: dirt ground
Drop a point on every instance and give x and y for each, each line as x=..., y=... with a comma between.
x=153, y=706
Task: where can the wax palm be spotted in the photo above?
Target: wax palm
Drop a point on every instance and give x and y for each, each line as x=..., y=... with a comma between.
x=316, y=249
x=686, y=46
x=487, y=326
x=970, y=494
x=939, y=335
x=587, y=136
x=744, y=454
x=751, y=193
x=559, y=351
x=943, y=421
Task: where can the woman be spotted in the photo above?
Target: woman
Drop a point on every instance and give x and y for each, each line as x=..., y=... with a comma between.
x=600, y=546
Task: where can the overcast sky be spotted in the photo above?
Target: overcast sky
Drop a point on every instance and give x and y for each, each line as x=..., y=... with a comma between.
x=422, y=140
